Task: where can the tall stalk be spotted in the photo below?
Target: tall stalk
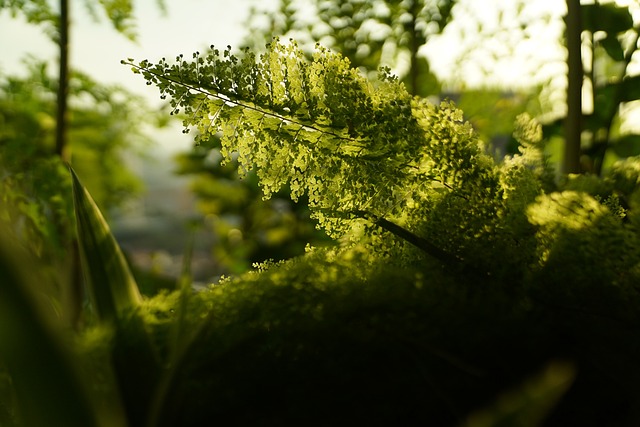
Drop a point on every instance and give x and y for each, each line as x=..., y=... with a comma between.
x=573, y=121
x=73, y=291
x=414, y=45
x=63, y=82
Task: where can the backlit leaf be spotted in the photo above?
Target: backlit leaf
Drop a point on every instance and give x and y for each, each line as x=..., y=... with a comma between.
x=111, y=285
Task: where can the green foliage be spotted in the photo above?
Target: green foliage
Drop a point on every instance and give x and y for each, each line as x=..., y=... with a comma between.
x=366, y=154
x=423, y=170
x=35, y=182
x=320, y=135
x=109, y=373
x=36, y=12
x=41, y=12
x=40, y=116
x=111, y=285
x=484, y=285
x=369, y=33
x=528, y=404
x=609, y=41
x=493, y=114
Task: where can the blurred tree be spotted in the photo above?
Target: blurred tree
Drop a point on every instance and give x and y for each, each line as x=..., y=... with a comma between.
x=56, y=26
x=101, y=119
x=35, y=187
x=370, y=33
x=592, y=88
x=609, y=41
x=40, y=126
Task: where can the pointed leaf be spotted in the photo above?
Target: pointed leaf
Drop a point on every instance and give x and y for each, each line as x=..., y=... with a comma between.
x=613, y=47
x=111, y=285
x=113, y=290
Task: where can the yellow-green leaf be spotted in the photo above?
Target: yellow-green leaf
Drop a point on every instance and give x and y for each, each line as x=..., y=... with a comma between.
x=111, y=285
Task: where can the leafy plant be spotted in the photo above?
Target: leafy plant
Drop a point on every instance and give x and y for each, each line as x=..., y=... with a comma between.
x=605, y=40
x=43, y=118
x=381, y=160
x=370, y=34
x=404, y=183
x=35, y=183
x=248, y=229
x=483, y=286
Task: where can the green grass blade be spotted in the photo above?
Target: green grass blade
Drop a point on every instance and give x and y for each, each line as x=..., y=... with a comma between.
x=114, y=294
x=110, y=283
x=48, y=388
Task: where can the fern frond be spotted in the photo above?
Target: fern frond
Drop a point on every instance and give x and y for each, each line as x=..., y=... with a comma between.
x=323, y=130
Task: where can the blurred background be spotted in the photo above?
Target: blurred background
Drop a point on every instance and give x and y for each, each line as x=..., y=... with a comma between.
x=495, y=59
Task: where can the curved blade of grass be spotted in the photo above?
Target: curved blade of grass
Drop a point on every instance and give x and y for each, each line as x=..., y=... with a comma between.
x=113, y=292
x=110, y=283
x=49, y=390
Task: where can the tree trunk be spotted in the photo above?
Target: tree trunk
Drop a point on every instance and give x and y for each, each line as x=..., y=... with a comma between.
x=63, y=82
x=414, y=45
x=573, y=121
x=73, y=290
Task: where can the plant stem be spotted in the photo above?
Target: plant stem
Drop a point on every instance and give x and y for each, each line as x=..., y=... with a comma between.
x=74, y=290
x=414, y=45
x=573, y=122
x=63, y=82
x=603, y=143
